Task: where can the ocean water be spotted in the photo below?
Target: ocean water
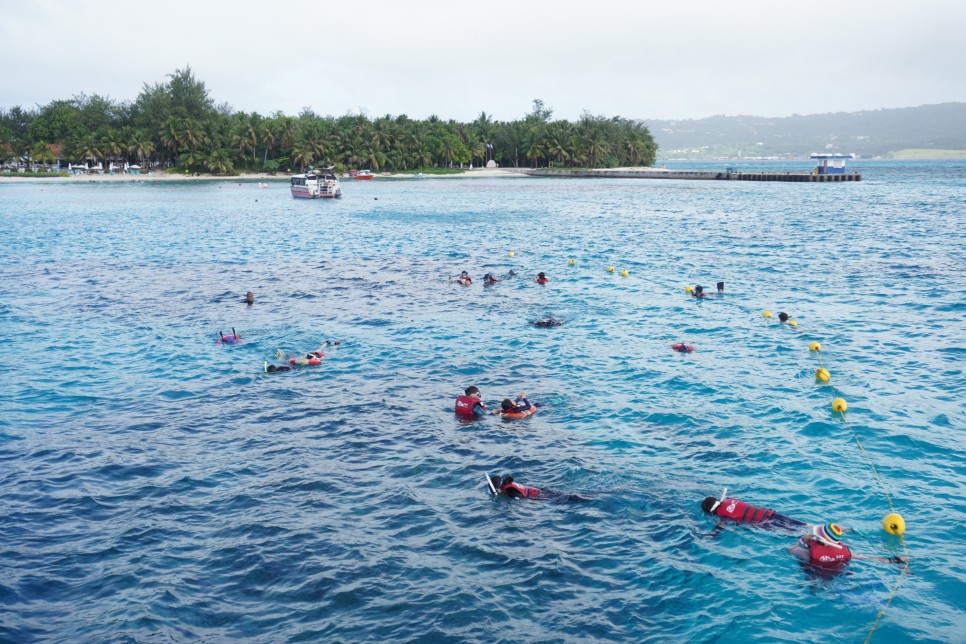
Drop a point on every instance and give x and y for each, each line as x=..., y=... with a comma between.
x=160, y=487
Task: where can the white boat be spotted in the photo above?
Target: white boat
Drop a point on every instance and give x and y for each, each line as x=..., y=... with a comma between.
x=319, y=183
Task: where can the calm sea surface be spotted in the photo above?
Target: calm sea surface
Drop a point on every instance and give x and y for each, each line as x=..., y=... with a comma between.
x=158, y=487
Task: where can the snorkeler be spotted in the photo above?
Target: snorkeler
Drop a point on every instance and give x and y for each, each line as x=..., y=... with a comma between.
x=519, y=408
x=270, y=368
x=489, y=279
x=470, y=404
x=541, y=278
x=547, y=322
x=728, y=509
x=506, y=486
x=463, y=280
x=699, y=292
x=823, y=547
x=231, y=338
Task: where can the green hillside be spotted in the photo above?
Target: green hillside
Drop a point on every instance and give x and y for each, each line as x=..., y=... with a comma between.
x=875, y=133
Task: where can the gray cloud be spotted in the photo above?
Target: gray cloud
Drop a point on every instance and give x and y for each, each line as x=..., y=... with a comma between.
x=671, y=59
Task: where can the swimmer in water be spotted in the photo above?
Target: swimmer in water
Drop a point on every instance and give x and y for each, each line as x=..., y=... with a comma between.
x=547, y=323
x=732, y=510
x=699, y=292
x=783, y=317
x=541, y=278
x=519, y=408
x=250, y=298
x=231, y=338
x=506, y=486
x=463, y=280
x=470, y=404
x=822, y=547
x=271, y=368
x=489, y=279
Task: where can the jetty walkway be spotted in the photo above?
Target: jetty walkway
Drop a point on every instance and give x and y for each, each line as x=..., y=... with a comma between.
x=695, y=175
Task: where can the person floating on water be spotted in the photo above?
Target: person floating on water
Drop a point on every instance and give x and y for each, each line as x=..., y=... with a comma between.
x=489, y=279
x=541, y=278
x=506, y=486
x=519, y=408
x=313, y=357
x=547, y=322
x=822, y=547
x=699, y=292
x=783, y=317
x=271, y=368
x=727, y=509
x=470, y=404
x=463, y=280
x=250, y=298
x=231, y=338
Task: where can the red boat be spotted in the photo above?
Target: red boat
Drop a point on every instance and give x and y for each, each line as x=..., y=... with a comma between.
x=362, y=175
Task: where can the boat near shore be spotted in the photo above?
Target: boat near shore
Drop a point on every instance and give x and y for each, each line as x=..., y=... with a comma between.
x=318, y=183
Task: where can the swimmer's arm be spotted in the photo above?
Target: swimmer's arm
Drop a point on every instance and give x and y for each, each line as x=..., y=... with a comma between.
x=718, y=527
x=895, y=560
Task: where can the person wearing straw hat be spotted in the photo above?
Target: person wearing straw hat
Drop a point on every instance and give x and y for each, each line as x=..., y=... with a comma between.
x=823, y=547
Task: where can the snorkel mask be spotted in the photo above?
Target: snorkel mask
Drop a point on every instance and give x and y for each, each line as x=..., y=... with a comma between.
x=714, y=507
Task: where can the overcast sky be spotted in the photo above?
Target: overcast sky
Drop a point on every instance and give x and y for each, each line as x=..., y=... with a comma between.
x=643, y=59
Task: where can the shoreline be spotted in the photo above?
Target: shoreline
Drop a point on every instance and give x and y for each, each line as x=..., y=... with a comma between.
x=259, y=177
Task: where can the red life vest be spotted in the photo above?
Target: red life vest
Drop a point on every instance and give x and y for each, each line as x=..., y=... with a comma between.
x=542, y=280
x=742, y=512
x=464, y=405
x=820, y=554
x=527, y=492
x=529, y=411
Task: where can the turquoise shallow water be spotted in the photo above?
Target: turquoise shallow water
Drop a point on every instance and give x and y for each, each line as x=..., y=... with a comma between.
x=158, y=487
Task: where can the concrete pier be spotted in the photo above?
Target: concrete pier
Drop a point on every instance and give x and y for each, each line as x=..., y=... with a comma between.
x=696, y=175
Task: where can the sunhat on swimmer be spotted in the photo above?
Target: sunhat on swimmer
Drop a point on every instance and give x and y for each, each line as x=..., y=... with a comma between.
x=830, y=534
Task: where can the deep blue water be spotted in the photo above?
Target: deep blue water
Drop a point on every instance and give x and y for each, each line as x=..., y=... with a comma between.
x=159, y=487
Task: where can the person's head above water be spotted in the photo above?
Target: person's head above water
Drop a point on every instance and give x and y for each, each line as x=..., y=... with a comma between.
x=464, y=274
x=830, y=534
x=709, y=504
x=783, y=317
x=507, y=404
x=699, y=289
x=489, y=279
x=250, y=297
x=473, y=391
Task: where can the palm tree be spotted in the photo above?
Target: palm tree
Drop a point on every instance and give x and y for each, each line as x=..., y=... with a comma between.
x=191, y=133
x=40, y=153
x=140, y=145
x=170, y=135
x=303, y=153
x=219, y=162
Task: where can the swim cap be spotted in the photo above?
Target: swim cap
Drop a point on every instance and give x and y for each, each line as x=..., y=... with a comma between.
x=830, y=533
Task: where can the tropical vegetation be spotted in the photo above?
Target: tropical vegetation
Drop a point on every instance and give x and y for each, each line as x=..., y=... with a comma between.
x=176, y=124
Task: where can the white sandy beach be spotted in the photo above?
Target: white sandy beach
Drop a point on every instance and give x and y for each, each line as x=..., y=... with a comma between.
x=481, y=173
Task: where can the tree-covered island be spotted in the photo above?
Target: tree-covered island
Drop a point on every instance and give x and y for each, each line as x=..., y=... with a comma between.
x=177, y=125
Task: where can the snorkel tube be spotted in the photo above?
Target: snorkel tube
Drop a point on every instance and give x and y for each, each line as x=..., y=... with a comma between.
x=714, y=507
x=489, y=483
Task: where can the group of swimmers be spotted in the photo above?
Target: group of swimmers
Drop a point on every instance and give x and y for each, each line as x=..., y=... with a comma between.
x=820, y=545
x=464, y=278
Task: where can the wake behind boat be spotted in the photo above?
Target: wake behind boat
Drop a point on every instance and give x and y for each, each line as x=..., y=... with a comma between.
x=318, y=183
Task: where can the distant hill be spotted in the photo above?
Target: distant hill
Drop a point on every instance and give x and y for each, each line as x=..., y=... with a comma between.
x=876, y=133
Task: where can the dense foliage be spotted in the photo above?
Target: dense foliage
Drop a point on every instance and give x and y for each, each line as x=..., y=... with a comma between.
x=177, y=124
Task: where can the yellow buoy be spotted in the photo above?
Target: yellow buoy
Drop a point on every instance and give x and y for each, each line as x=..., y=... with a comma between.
x=894, y=524
x=571, y=261
x=815, y=346
x=792, y=323
x=511, y=254
x=689, y=289
x=624, y=273
x=839, y=405
x=610, y=269
x=767, y=314
x=823, y=375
